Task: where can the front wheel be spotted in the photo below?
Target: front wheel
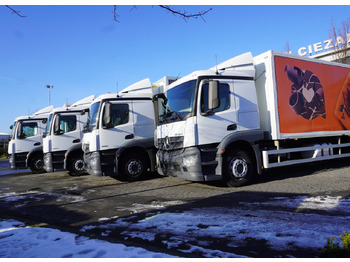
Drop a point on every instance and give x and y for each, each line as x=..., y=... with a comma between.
x=37, y=164
x=133, y=167
x=76, y=167
x=238, y=168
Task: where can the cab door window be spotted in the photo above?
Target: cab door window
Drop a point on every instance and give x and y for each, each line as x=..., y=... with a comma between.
x=29, y=129
x=119, y=114
x=224, y=95
x=68, y=123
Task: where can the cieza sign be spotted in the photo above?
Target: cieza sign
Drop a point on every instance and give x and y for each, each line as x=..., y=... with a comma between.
x=322, y=46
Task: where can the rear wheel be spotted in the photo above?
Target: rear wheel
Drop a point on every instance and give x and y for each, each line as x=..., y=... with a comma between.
x=133, y=167
x=37, y=164
x=238, y=168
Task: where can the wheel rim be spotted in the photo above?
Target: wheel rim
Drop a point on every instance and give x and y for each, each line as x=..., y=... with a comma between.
x=134, y=167
x=39, y=164
x=238, y=168
x=79, y=165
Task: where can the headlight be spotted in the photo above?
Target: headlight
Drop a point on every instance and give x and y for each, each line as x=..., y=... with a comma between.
x=11, y=158
x=86, y=148
x=190, y=160
x=93, y=162
x=47, y=159
x=155, y=139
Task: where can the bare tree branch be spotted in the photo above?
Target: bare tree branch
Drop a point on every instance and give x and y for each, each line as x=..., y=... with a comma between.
x=133, y=7
x=341, y=41
x=184, y=14
x=14, y=11
x=115, y=16
x=169, y=9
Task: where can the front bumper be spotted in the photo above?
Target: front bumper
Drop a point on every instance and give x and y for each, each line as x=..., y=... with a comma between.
x=183, y=163
x=92, y=163
x=18, y=161
x=48, y=162
x=12, y=162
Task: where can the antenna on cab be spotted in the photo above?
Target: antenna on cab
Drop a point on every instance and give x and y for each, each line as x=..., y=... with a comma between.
x=117, y=89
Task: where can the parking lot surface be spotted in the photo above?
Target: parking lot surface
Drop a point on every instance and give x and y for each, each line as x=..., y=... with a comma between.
x=108, y=208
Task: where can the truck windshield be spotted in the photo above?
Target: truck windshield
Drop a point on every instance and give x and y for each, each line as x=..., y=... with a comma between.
x=179, y=104
x=92, y=118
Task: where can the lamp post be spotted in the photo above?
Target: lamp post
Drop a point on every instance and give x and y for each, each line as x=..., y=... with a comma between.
x=49, y=87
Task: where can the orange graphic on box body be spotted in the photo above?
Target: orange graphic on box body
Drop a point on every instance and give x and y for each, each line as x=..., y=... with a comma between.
x=307, y=97
x=312, y=96
x=342, y=110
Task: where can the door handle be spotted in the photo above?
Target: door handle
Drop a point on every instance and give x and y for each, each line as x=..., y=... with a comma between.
x=231, y=127
x=76, y=140
x=131, y=136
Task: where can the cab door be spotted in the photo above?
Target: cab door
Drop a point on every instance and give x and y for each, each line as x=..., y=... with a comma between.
x=214, y=125
x=116, y=124
x=28, y=135
x=65, y=131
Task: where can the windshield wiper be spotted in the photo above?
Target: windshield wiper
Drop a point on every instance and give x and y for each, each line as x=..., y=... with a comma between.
x=162, y=119
x=173, y=115
x=169, y=115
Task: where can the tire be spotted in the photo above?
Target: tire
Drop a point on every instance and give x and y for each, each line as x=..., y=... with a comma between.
x=76, y=166
x=37, y=164
x=133, y=167
x=238, y=168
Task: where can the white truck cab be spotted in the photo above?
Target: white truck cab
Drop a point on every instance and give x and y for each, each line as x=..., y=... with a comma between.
x=192, y=122
x=118, y=140
x=63, y=136
x=25, y=147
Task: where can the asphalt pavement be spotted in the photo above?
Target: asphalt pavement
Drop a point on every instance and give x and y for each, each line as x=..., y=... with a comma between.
x=85, y=203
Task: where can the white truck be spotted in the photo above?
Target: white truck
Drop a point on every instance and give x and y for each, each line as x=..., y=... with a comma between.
x=119, y=137
x=252, y=113
x=25, y=147
x=62, y=146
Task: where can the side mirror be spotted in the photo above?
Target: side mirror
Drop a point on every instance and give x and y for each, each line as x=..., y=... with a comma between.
x=162, y=96
x=20, y=134
x=155, y=110
x=86, y=128
x=213, y=95
x=11, y=127
x=107, y=118
x=156, y=105
x=82, y=112
x=57, y=125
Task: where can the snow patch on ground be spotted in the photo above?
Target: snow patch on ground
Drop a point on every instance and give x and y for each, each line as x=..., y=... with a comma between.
x=300, y=203
x=154, y=205
x=280, y=229
x=20, y=241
